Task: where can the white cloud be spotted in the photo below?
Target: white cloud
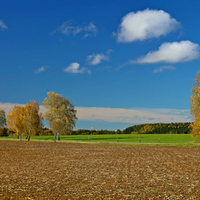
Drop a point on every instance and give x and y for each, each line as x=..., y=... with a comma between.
x=2, y=25
x=134, y=116
x=172, y=53
x=67, y=28
x=95, y=59
x=161, y=69
x=41, y=69
x=75, y=69
x=91, y=28
x=145, y=25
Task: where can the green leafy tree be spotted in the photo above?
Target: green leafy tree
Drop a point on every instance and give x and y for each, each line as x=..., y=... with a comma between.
x=60, y=114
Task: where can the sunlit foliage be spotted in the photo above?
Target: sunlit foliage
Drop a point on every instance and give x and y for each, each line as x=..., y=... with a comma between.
x=60, y=114
x=195, y=107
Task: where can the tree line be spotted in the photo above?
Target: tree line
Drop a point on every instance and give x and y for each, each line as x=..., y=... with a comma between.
x=159, y=128
x=156, y=128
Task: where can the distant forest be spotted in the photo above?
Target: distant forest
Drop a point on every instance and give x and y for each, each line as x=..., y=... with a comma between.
x=157, y=128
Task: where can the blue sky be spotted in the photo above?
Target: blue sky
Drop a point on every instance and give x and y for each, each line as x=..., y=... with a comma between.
x=119, y=62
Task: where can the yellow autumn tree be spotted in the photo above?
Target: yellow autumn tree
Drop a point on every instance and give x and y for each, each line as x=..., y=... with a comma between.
x=195, y=107
x=147, y=128
x=60, y=114
x=33, y=119
x=15, y=120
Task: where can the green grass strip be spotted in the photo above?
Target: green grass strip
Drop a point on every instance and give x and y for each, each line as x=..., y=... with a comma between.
x=127, y=138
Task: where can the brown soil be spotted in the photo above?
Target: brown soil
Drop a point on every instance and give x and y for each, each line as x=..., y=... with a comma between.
x=36, y=170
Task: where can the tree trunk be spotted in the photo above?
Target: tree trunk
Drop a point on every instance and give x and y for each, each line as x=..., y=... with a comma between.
x=54, y=137
x=58, y=136
x=26, y=136
x=29, y=135
x=17, y=134
x=20, y=136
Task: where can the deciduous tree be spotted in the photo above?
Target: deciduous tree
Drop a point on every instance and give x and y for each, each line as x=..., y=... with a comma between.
x=33, y=119
x=60, y=114
x=2, y=118
x=15, y=120
x=195, y=107
x=2, y=122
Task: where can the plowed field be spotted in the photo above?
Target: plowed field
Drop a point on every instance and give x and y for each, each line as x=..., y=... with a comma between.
x=37, y=170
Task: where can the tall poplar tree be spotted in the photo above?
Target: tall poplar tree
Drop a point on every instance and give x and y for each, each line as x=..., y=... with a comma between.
x=195, y=107
x=60, y=114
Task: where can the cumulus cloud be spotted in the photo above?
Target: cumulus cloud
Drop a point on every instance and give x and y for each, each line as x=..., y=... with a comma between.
x=41, y=69
x=2, y=25
x=162, y=68
x=172, y=53
x=67, y=28
x=95, y=59
x=76, y=69
x=145, y=24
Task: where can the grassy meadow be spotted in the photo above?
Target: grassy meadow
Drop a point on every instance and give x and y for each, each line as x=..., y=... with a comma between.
x=129, y=138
